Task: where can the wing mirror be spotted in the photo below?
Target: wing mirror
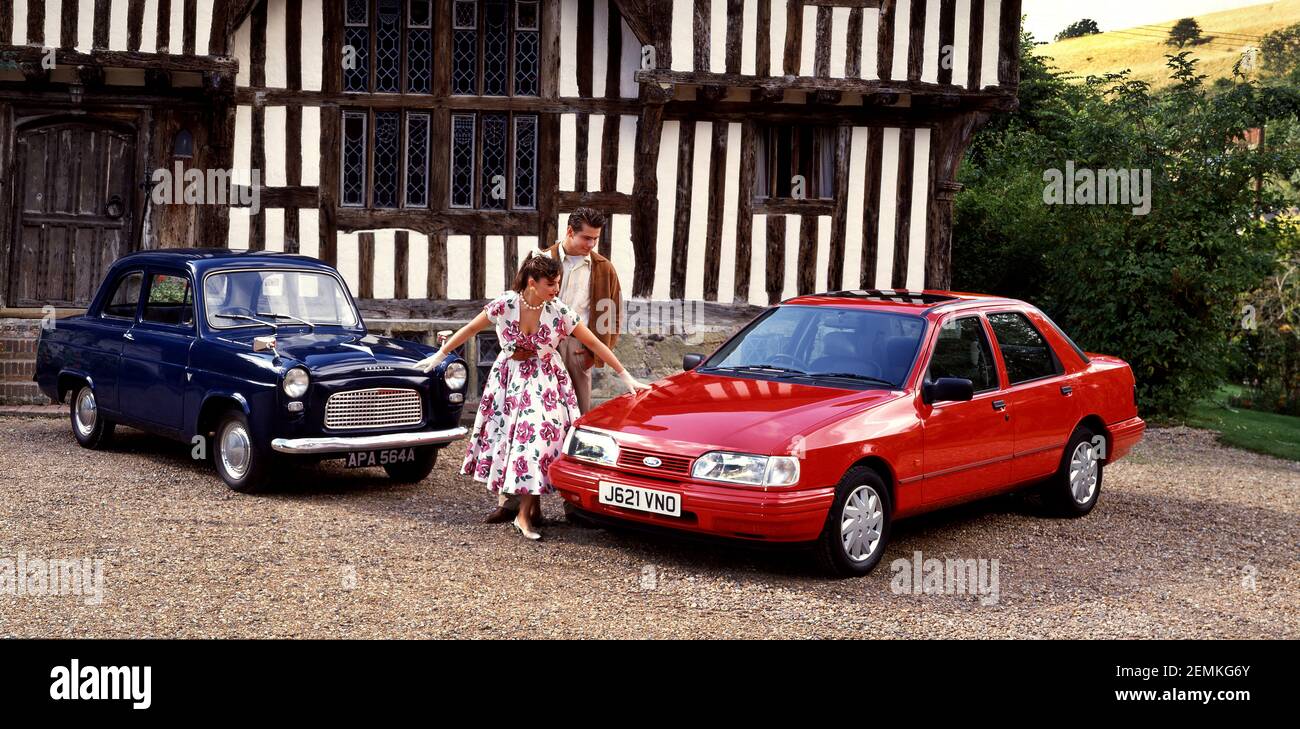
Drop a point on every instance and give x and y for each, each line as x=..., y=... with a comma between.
x=691, y=361
x=947, y=389
x=264, y=344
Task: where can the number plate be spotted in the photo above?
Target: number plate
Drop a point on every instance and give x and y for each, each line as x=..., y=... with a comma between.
x=390, y=456
x=635, y=497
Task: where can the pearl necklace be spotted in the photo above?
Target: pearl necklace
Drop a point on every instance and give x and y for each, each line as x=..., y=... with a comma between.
x=524, y=301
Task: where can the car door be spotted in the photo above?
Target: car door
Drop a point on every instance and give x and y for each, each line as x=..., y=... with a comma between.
x=155, y=356
x=1039, y=395
x=966, y=445
x=103, y=356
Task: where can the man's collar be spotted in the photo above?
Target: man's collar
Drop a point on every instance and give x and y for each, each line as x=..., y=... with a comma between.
x=591, y=258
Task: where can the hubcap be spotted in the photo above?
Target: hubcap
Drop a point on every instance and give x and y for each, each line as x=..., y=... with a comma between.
x=87, y=412
x=1083, y=472
x=236, y=450
x=860, y=523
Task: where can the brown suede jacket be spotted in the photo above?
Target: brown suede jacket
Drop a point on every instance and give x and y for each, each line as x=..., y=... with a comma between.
x=604, y=287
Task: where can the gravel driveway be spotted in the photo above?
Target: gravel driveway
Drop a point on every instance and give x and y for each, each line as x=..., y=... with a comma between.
x=1190, y=539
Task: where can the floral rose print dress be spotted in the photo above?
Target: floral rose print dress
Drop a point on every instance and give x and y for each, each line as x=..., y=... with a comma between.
x=527, y=406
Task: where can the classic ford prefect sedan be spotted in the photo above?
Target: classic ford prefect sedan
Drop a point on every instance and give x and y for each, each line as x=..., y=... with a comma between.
x=262, y=354
x=830, y=416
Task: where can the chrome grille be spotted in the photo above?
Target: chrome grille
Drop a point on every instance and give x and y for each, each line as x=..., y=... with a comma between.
x=378, y=407
x=633, y=458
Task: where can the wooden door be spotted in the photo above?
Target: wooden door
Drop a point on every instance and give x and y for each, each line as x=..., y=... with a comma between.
x=75, y=198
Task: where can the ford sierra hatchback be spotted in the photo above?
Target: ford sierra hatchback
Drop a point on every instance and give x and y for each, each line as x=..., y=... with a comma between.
x=830, y=416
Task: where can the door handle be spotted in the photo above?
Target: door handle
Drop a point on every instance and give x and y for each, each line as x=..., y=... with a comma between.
x=129, y=336
x=1066, y=389
x=999, y=404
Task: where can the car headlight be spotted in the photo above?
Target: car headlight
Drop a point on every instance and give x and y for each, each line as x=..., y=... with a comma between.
x=747, y=469
x=587, y=445
x=295, y=382
x=455, y=376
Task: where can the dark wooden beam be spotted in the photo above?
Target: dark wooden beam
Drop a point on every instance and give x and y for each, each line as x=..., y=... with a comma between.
x=125, y=59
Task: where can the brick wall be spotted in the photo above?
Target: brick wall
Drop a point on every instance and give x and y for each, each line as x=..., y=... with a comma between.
x=18, y=361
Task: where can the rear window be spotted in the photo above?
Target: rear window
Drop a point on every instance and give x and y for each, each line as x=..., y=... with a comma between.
x=121, y=305
x=1025, y=352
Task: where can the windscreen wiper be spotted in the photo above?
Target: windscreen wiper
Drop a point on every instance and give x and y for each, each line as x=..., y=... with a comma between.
x=287, y=316
x=750, y=368
x=849, y=376
x=249, y=318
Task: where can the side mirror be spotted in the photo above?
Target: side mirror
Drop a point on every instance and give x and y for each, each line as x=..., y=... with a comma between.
x=947, y=389
x=691, y=361
x=264, y=344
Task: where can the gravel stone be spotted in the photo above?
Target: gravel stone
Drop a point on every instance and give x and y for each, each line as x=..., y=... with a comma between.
x=1191, y=539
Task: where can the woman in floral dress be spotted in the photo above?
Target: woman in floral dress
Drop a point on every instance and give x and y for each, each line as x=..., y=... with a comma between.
x=528, y=401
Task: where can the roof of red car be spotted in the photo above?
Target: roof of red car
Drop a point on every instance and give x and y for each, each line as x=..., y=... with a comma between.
x=917, y=302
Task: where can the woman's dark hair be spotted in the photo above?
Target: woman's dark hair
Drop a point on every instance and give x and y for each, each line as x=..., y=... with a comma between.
x=537, y=266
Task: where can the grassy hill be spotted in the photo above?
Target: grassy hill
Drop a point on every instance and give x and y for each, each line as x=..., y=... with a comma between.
x=1143, y=49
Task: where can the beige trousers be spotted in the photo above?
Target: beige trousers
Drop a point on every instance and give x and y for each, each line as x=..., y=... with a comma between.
x=570, y=351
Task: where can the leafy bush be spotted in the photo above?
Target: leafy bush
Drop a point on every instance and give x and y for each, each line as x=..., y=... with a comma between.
x=1161, y=289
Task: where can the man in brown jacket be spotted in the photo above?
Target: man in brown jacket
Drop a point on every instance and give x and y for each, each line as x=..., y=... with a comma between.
x=590, y=287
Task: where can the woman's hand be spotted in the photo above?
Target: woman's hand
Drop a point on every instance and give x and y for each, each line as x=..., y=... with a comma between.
x=429, y=363
x=631, y=382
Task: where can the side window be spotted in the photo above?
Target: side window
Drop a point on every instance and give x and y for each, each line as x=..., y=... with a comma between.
x=1026, y=353
x=170, y=300
x=121, y=305
x=963, y=351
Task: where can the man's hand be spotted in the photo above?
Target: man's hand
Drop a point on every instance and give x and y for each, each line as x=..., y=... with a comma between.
x=587, y=359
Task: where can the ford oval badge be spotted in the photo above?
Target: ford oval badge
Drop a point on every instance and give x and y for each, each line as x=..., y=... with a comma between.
x=652, y=462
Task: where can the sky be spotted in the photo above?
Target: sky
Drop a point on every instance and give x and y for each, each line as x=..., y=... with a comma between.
x=1046, y=18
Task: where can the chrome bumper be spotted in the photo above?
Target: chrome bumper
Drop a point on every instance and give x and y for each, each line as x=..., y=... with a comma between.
x=340, y=444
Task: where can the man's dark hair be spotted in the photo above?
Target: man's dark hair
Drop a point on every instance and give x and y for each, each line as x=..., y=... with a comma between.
x=586, y=216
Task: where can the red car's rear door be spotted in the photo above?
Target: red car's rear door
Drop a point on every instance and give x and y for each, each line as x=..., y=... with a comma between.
x=967, y=445
x=1039, y=395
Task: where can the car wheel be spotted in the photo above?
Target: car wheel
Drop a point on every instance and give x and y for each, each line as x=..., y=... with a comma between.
x=416, y=470
x=243, y=465
x=857, y=525
x=1074, y=489
x=89, y=426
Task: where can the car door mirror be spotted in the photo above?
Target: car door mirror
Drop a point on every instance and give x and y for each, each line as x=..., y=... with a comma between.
x=691, y=361
x=948, y=389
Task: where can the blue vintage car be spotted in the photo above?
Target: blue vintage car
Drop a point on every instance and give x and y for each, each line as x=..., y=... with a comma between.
x=269, y=364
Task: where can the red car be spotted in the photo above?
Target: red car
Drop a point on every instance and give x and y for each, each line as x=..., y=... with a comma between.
x=830, y=416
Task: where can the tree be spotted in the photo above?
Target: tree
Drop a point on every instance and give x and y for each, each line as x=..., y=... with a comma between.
x=1281, y=50
x=1078, y=29
x=1161, y=289
x=1184, y=31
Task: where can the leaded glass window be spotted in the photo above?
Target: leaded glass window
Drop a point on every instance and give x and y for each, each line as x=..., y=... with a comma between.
x=462, y=160
x=417, y=160
x=386, y=172
x=526, y=162
x=494, y=161
x=388, y=46
x=495, y=47
x=356, y=39
x=353, y=169
x=385, y=159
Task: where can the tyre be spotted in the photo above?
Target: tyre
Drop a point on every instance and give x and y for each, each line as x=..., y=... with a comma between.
x=857, y=525
x=1074, y=489
x=89, y=426
x=243, y=464
x=414, y=471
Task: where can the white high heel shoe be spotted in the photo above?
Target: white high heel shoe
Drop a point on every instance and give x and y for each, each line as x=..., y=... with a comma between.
x=528, y=533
